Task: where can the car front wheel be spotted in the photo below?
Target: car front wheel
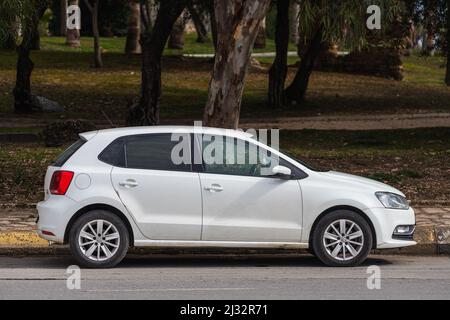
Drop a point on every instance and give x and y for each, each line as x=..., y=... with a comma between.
x=342, y=238
x=99, y=239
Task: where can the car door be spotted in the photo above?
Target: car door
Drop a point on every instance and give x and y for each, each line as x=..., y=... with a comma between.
x=240, y=202
x=163, y=197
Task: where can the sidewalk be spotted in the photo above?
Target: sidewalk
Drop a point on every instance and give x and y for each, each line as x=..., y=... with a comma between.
x=18, y=236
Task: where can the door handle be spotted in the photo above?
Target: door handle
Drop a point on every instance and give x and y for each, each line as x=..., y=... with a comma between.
x=128, y=183
x=214, y=188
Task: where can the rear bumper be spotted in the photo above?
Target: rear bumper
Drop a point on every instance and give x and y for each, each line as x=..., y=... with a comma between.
x=54, y=216
x=385, y=221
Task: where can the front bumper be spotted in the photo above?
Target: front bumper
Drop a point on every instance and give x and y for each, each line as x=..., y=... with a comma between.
x=385, y=221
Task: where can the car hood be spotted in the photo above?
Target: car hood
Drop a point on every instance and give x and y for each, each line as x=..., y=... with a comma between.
x=359, y=182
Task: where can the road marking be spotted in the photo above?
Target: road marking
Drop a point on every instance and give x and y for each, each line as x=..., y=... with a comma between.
x=167, y=289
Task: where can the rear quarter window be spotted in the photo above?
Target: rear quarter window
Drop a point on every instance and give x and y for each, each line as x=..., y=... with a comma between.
x=69, y=152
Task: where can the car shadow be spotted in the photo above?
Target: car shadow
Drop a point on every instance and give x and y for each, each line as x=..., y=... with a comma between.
x=184, y=261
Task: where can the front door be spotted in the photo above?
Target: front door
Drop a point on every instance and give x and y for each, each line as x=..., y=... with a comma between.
x=242, y=201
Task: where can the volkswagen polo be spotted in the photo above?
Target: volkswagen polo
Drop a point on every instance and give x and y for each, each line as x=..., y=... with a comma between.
x=203, y=187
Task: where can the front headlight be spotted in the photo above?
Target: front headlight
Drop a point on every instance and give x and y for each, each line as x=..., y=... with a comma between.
x=392, y=200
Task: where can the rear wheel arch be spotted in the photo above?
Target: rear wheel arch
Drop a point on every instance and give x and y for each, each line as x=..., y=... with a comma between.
x=99, y=206
x=349, y=208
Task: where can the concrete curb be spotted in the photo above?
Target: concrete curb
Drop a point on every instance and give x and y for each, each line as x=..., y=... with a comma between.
x=432, y=240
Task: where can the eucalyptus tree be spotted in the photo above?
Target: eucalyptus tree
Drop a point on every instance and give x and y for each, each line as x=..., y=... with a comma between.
x=447, y=73
x=237, y=24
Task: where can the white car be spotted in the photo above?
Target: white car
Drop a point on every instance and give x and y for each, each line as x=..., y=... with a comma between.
x=126, y=187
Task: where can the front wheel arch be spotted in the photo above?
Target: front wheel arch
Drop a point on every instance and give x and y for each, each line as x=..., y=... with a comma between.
x=99, y=206
x=350, y=208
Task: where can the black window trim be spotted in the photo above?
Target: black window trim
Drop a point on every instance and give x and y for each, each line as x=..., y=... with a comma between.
x=124, y=145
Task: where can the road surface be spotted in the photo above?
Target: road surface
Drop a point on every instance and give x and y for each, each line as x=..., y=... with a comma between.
x=212, y=277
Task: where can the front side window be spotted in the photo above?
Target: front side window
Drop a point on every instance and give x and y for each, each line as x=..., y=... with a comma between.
x=232, y=156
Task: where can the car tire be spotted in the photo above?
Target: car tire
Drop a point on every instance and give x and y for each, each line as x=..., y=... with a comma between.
x=99, y=239
x=342, y=238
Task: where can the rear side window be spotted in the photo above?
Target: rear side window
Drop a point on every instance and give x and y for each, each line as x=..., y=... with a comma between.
x=68, y=153
x=154, y=152
x=150, y=151
x=114, y=154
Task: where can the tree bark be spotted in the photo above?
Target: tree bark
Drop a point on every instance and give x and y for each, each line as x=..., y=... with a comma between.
x=278, y=71
x=73, y=36
x=447, y=73
x=146, y=110
x=132, y=45
x=237, y=28
x=295, y=10
x=260, y=42
x=295, y=93
x=176, y=40
x=23, y=99
x=199, y=22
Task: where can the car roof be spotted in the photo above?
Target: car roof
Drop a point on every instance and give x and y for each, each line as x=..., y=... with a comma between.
x=125, y=131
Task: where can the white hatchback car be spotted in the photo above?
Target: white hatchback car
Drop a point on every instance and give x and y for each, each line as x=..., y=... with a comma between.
x=154, y=186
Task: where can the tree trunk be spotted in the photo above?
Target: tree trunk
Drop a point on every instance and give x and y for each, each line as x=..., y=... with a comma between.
x=278, y=71
x=98, y=62
x=430, y=24
x=73, y=36
x=146, y=110
x=447, y=73
x=295, y=10
x=213, y=21
x=260, y=42
x=132, y=45
x=23, y=99
x=35, y=38
x=237, y=28
x=199, y=23
x=63, y=15
x=176, y=40
x=295, y=93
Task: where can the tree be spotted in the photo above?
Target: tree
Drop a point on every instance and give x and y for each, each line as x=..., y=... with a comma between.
x=431, y=27
x=153, y=41
x=447, y=74
x=260, y=42
x=278, y=71
x=63, y=17
x=73, y=35
x=92, y=5
x=237, y=27
x=197, y=14
x=27, y=13
x=294, y=21
x=132, y=45
x=329, y=21
x=176, y=40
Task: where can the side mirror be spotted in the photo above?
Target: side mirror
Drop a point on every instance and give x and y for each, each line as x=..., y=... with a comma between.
x=282, y=172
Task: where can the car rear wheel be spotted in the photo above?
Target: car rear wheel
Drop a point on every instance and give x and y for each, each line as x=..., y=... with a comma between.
x=342, y=238
x=99, y=239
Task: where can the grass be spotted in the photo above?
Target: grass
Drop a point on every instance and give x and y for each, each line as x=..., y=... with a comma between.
x=417, y=161
x=65, y=74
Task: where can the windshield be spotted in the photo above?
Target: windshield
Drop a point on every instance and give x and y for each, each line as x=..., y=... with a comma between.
x=303, y=163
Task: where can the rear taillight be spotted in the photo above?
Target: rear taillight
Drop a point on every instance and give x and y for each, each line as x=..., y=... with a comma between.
x=60, y=182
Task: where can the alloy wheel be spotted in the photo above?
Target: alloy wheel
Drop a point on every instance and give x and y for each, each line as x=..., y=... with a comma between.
x=343, y=240
x=99, y=240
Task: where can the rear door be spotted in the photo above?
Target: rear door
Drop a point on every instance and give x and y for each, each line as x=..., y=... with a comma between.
x=164, y=197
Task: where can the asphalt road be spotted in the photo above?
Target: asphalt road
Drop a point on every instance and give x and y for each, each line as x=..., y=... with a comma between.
x=211, y=277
